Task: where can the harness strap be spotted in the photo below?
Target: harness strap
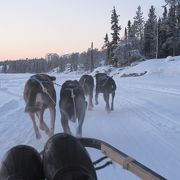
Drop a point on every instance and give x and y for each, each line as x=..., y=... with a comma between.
x=37, y=80
x=103, y=166
x=105, y=79
x=42, y=86
x=45, y=90
x=57, y=84
x=99, y=160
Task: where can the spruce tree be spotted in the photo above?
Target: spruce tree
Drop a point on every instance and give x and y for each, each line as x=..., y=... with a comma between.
x=139, y=23
x=172, y=2
x=106, y=41
x=129, y=29
x=165, y=13
x=131, y=34
x=162, y=34
x=150, y=34
x=107, y=48
x=125, y=35
x=138, y=28
x=178, y=29
x=115, y=34
x=171, y=33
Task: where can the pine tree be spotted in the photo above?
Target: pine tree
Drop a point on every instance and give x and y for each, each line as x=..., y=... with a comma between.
x=162, y=34
x=178, y=29
x=128, y=29
x=139, y=23
x=150, y=34
x=172, y=2
x=171, y=33
x=4, y=68
x=115, y=34
x=125, y=35
x=138, y=28
x=131, y=34
x=106, y=41
x=165, y=13
x=158, y=39
x=172, y=43
x=107, y=48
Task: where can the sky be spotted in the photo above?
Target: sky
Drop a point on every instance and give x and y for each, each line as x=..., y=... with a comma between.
x=32, y=28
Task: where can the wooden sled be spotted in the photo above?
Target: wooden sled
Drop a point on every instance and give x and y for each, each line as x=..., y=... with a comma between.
x=121, y=158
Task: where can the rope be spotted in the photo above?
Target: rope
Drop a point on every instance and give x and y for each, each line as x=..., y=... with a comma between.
x=45, y=91
x=103, y=166
x=57, y=84
x=50, y=96
x=36, y=79
x=42, y=86
x=99, y=160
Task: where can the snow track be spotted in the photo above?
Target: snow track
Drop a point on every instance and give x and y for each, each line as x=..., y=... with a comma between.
x=156, y=109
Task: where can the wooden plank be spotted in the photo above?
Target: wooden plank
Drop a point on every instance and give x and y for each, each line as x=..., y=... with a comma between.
x=121, y=158
x=130, y=164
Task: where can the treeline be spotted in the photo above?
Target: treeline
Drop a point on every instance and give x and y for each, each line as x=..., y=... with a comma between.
x=70, y=62
x=157, y=37
x=24, y=66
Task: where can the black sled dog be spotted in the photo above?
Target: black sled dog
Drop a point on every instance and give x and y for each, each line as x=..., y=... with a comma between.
x=87, y=83
x=72, y=105
x=106, y=85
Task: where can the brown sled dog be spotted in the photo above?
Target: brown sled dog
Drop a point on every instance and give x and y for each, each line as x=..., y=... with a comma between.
x=39, y=94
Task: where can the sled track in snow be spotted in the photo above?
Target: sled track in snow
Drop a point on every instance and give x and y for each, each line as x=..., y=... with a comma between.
x=168, y=117
x=168, y=91
x=147, y=113
x=163, y=128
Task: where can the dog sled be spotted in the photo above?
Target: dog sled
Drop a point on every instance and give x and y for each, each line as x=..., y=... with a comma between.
x=122, y=159
x=65, y=157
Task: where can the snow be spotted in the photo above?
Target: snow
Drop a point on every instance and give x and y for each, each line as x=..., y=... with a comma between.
x=145, y=123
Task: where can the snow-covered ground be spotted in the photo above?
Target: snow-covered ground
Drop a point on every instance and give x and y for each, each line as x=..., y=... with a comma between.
x=145, y=123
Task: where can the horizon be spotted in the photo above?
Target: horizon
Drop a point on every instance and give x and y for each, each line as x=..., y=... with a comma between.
x=32, y=29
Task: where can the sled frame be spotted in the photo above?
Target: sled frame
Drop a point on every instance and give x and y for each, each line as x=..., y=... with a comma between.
x=121, y=158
